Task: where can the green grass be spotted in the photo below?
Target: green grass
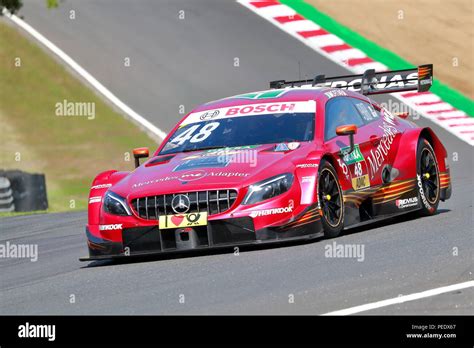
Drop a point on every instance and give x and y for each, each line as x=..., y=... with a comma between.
x=13, y=213
x=69, y=150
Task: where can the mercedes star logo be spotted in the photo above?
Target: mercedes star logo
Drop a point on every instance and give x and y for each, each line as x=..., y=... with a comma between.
x=180, y=204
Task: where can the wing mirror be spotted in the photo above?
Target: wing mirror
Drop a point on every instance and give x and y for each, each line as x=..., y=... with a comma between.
x=140, y=152
x=350, y=130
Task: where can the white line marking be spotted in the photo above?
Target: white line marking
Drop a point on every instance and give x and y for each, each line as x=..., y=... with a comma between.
x=402, y=299
x=147, y=125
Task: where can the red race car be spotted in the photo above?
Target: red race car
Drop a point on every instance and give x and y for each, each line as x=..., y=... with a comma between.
x=303, y=159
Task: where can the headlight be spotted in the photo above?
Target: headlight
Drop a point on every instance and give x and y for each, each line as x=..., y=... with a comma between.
x=115, y=204
x=268, y=188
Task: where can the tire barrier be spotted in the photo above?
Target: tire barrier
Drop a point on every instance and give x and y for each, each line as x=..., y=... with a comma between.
x=22, y=192
x=6, y=196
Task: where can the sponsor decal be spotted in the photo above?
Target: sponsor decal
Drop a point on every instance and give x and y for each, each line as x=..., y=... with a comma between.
x=209, y=115
x=281, y=147
x=252, y=110
x=344, y=168
x=360, y=182
x=422, y=193
x=110, y=227
x=201, y=162
x=222, y=152
x=294, y=145
x=225, y=174
x=423, y=72
x=377, y=157
x=230, y=150
x=353, y=157
x=428, y=81
x=95, y=199
x=307, y=165
x=335, y=93
x=367, y=111
x=182, y=220
x=261, y=109
x=261, y=95
x=310, y=179
x=102, y=186
x=274, y=211
x=406, y=203
x=191, y=176
x=37, y=331
x=382, y=82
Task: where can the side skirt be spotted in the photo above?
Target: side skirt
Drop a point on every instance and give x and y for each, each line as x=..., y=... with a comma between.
x=379, y=218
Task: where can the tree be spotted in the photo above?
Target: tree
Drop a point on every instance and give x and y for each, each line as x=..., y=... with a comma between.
x=52, y=3
x=11, y=5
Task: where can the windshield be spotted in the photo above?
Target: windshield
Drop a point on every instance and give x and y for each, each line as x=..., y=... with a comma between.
x=241, y=131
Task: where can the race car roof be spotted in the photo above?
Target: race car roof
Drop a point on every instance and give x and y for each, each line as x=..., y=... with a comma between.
x=322, y=87
x=274, y=96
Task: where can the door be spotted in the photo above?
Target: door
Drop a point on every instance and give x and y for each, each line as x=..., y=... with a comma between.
x=383, y=135
x=343, y=111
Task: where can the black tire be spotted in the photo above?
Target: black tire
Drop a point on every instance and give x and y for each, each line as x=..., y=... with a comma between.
x=330, y=200
x=427, y=178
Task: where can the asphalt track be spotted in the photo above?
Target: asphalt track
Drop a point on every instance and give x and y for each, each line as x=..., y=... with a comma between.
x=187, y=62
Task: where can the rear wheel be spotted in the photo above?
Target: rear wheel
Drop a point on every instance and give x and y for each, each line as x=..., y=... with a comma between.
x=427, y=178
x=330, y=200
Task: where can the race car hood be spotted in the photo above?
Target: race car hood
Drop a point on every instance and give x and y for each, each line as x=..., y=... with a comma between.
x=210, y=169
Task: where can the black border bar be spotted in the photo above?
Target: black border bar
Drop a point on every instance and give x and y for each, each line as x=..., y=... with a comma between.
x=194, y=330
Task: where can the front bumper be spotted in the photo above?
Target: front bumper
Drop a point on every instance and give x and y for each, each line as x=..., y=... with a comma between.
x=150, y=240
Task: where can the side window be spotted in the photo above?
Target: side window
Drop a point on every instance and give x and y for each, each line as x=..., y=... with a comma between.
x=366, y=110
x=340, y=111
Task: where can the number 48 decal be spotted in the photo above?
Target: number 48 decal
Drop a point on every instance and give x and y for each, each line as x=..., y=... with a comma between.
x=358, y=169
x=203, y=133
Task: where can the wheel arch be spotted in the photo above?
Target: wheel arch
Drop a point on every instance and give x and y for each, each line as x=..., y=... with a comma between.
x=331, y=158
x=406, y=153
x=101, y=183
x=437, y=145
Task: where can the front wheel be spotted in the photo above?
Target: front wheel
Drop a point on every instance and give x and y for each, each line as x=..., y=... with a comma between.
x=330, y=200
x=427, y=178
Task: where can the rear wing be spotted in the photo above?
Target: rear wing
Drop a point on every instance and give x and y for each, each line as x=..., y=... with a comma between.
x=370, y=82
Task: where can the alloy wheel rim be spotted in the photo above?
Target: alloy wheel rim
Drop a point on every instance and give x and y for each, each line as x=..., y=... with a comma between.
x=330, y=198
x=429, y=176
